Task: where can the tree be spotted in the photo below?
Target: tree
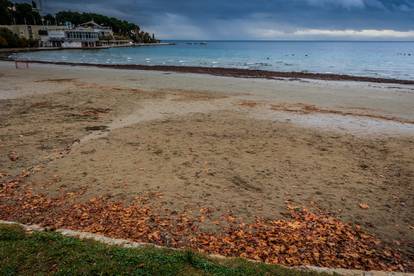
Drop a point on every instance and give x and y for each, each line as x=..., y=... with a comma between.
x=9, y=38
x=26, y=15
x=3, y=42
x=49, y=19
x=5, y=12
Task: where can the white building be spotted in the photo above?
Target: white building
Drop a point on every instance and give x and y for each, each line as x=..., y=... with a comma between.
x=105, y=33
x=74, y=38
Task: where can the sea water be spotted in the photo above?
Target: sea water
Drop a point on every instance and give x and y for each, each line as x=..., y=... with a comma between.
x=373, y=59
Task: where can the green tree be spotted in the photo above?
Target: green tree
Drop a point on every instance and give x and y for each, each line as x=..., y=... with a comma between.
x=49, y=19
x=26, y=15
x=3, y=42
x=10, y=40
x=5, y=12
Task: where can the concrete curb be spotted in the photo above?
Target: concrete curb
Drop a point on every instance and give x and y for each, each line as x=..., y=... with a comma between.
x=130, y=244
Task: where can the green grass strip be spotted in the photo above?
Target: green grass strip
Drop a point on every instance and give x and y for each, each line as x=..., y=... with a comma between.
x=48, y=253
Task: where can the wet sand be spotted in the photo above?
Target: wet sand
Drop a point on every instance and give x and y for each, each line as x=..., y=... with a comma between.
x=226, y=72
x=245, y=146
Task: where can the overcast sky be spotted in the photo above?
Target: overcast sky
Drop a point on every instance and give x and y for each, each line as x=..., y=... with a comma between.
x=258, y=19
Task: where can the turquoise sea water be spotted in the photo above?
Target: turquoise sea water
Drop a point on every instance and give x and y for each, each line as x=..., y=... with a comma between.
x=375, y=59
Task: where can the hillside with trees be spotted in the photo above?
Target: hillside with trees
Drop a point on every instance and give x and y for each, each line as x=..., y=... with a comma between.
x=23, y=13
x=120, y=27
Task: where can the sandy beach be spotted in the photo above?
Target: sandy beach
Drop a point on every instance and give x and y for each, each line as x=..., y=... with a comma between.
x=245, y=146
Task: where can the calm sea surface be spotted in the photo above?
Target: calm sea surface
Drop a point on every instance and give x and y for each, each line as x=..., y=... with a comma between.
x=375, y=59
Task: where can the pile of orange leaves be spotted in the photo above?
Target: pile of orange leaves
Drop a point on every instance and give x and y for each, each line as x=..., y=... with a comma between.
x=306, y=238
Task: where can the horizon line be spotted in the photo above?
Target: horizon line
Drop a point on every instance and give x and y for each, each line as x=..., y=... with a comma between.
x=285, y=40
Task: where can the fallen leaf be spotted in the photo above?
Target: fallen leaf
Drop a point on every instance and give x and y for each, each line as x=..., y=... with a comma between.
x=13, y=156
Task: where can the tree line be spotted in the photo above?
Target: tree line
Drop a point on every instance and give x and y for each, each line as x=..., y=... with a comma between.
x=23, y=13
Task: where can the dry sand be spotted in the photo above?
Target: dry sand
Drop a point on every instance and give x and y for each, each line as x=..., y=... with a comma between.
x=244, y=145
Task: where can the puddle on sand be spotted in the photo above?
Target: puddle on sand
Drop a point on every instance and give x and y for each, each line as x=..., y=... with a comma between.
x=357, y=125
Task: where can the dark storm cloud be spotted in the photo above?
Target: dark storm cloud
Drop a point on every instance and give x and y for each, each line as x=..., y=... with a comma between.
x=258, y=19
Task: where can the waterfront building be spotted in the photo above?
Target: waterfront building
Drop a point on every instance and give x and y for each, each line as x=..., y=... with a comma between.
x=87, y=35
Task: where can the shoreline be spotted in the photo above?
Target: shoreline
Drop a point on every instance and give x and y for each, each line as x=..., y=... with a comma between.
x=235, y=72
x=216, y=71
